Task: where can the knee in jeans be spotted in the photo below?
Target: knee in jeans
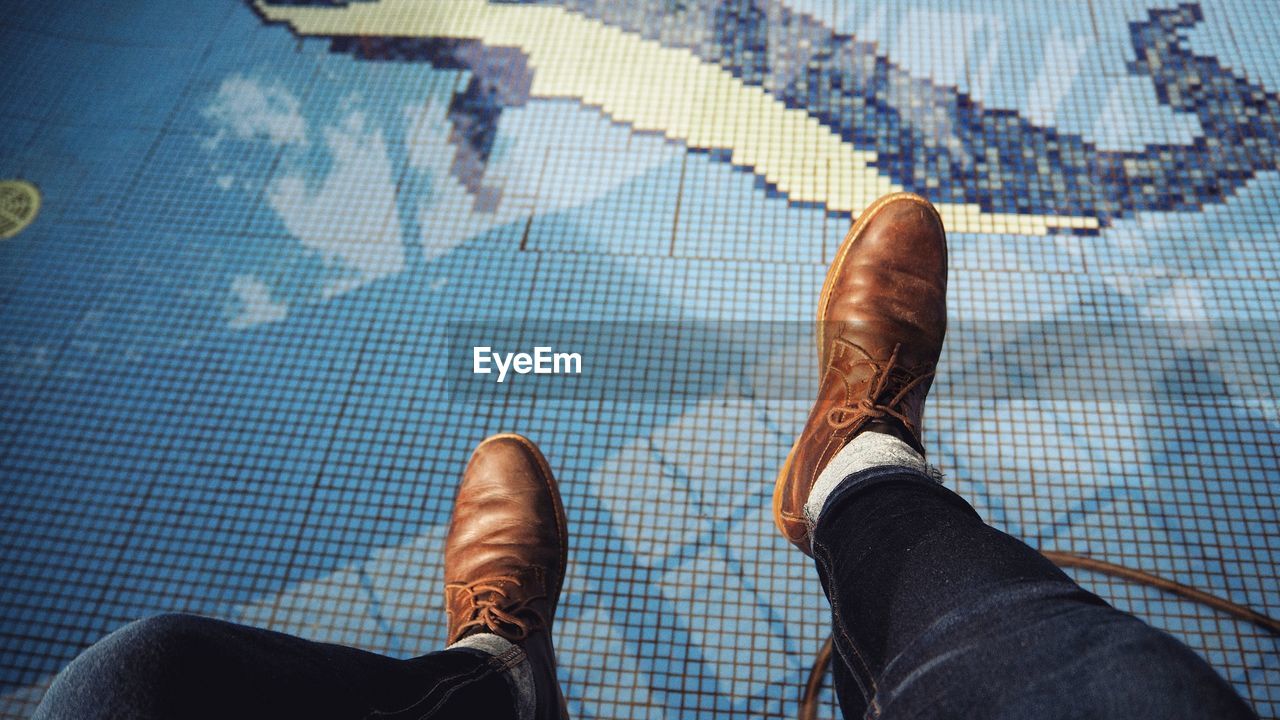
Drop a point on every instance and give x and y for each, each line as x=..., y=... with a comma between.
x=165, y=627
x=105, y=679
x=159, y=641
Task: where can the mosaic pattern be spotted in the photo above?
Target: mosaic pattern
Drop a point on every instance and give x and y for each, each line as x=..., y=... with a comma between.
x=224, y=371
x=925, y=138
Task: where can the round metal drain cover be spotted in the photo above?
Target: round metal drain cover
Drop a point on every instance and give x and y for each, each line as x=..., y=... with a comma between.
x=19, y=203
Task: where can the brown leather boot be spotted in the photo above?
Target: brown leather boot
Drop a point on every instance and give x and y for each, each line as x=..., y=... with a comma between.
x=881, y=319
x=504, y=559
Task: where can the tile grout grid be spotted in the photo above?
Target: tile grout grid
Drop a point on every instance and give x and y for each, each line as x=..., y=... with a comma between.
x=225, y=367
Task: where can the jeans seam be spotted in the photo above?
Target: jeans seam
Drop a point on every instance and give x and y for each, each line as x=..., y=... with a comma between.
x=870, y=699
x=449, y=693
x=480, y=672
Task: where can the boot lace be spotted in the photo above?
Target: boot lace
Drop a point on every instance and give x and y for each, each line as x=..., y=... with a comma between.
x=870, y=407
x=491, y=608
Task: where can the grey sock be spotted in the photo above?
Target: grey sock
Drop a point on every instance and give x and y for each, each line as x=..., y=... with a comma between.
x=867, y=450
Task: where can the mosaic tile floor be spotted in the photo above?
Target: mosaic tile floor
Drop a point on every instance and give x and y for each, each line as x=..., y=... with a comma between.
x=224, y=343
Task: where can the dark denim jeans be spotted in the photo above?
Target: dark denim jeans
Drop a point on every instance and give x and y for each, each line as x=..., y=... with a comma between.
x=935, y=614
x=186, y=666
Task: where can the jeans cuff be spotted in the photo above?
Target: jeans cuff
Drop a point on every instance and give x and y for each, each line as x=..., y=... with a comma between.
x=512, y=662
x=870, y=454
x=867, y=478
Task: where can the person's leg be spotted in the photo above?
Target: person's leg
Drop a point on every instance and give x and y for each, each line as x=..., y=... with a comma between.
x=936, y=614
x=504, y=564
x=176, y=665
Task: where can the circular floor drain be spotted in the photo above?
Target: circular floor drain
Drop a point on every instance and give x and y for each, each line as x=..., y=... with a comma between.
x=19, y=203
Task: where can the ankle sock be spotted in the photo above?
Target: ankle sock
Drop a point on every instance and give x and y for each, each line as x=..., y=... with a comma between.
x=519, y=672
x=867, y=450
